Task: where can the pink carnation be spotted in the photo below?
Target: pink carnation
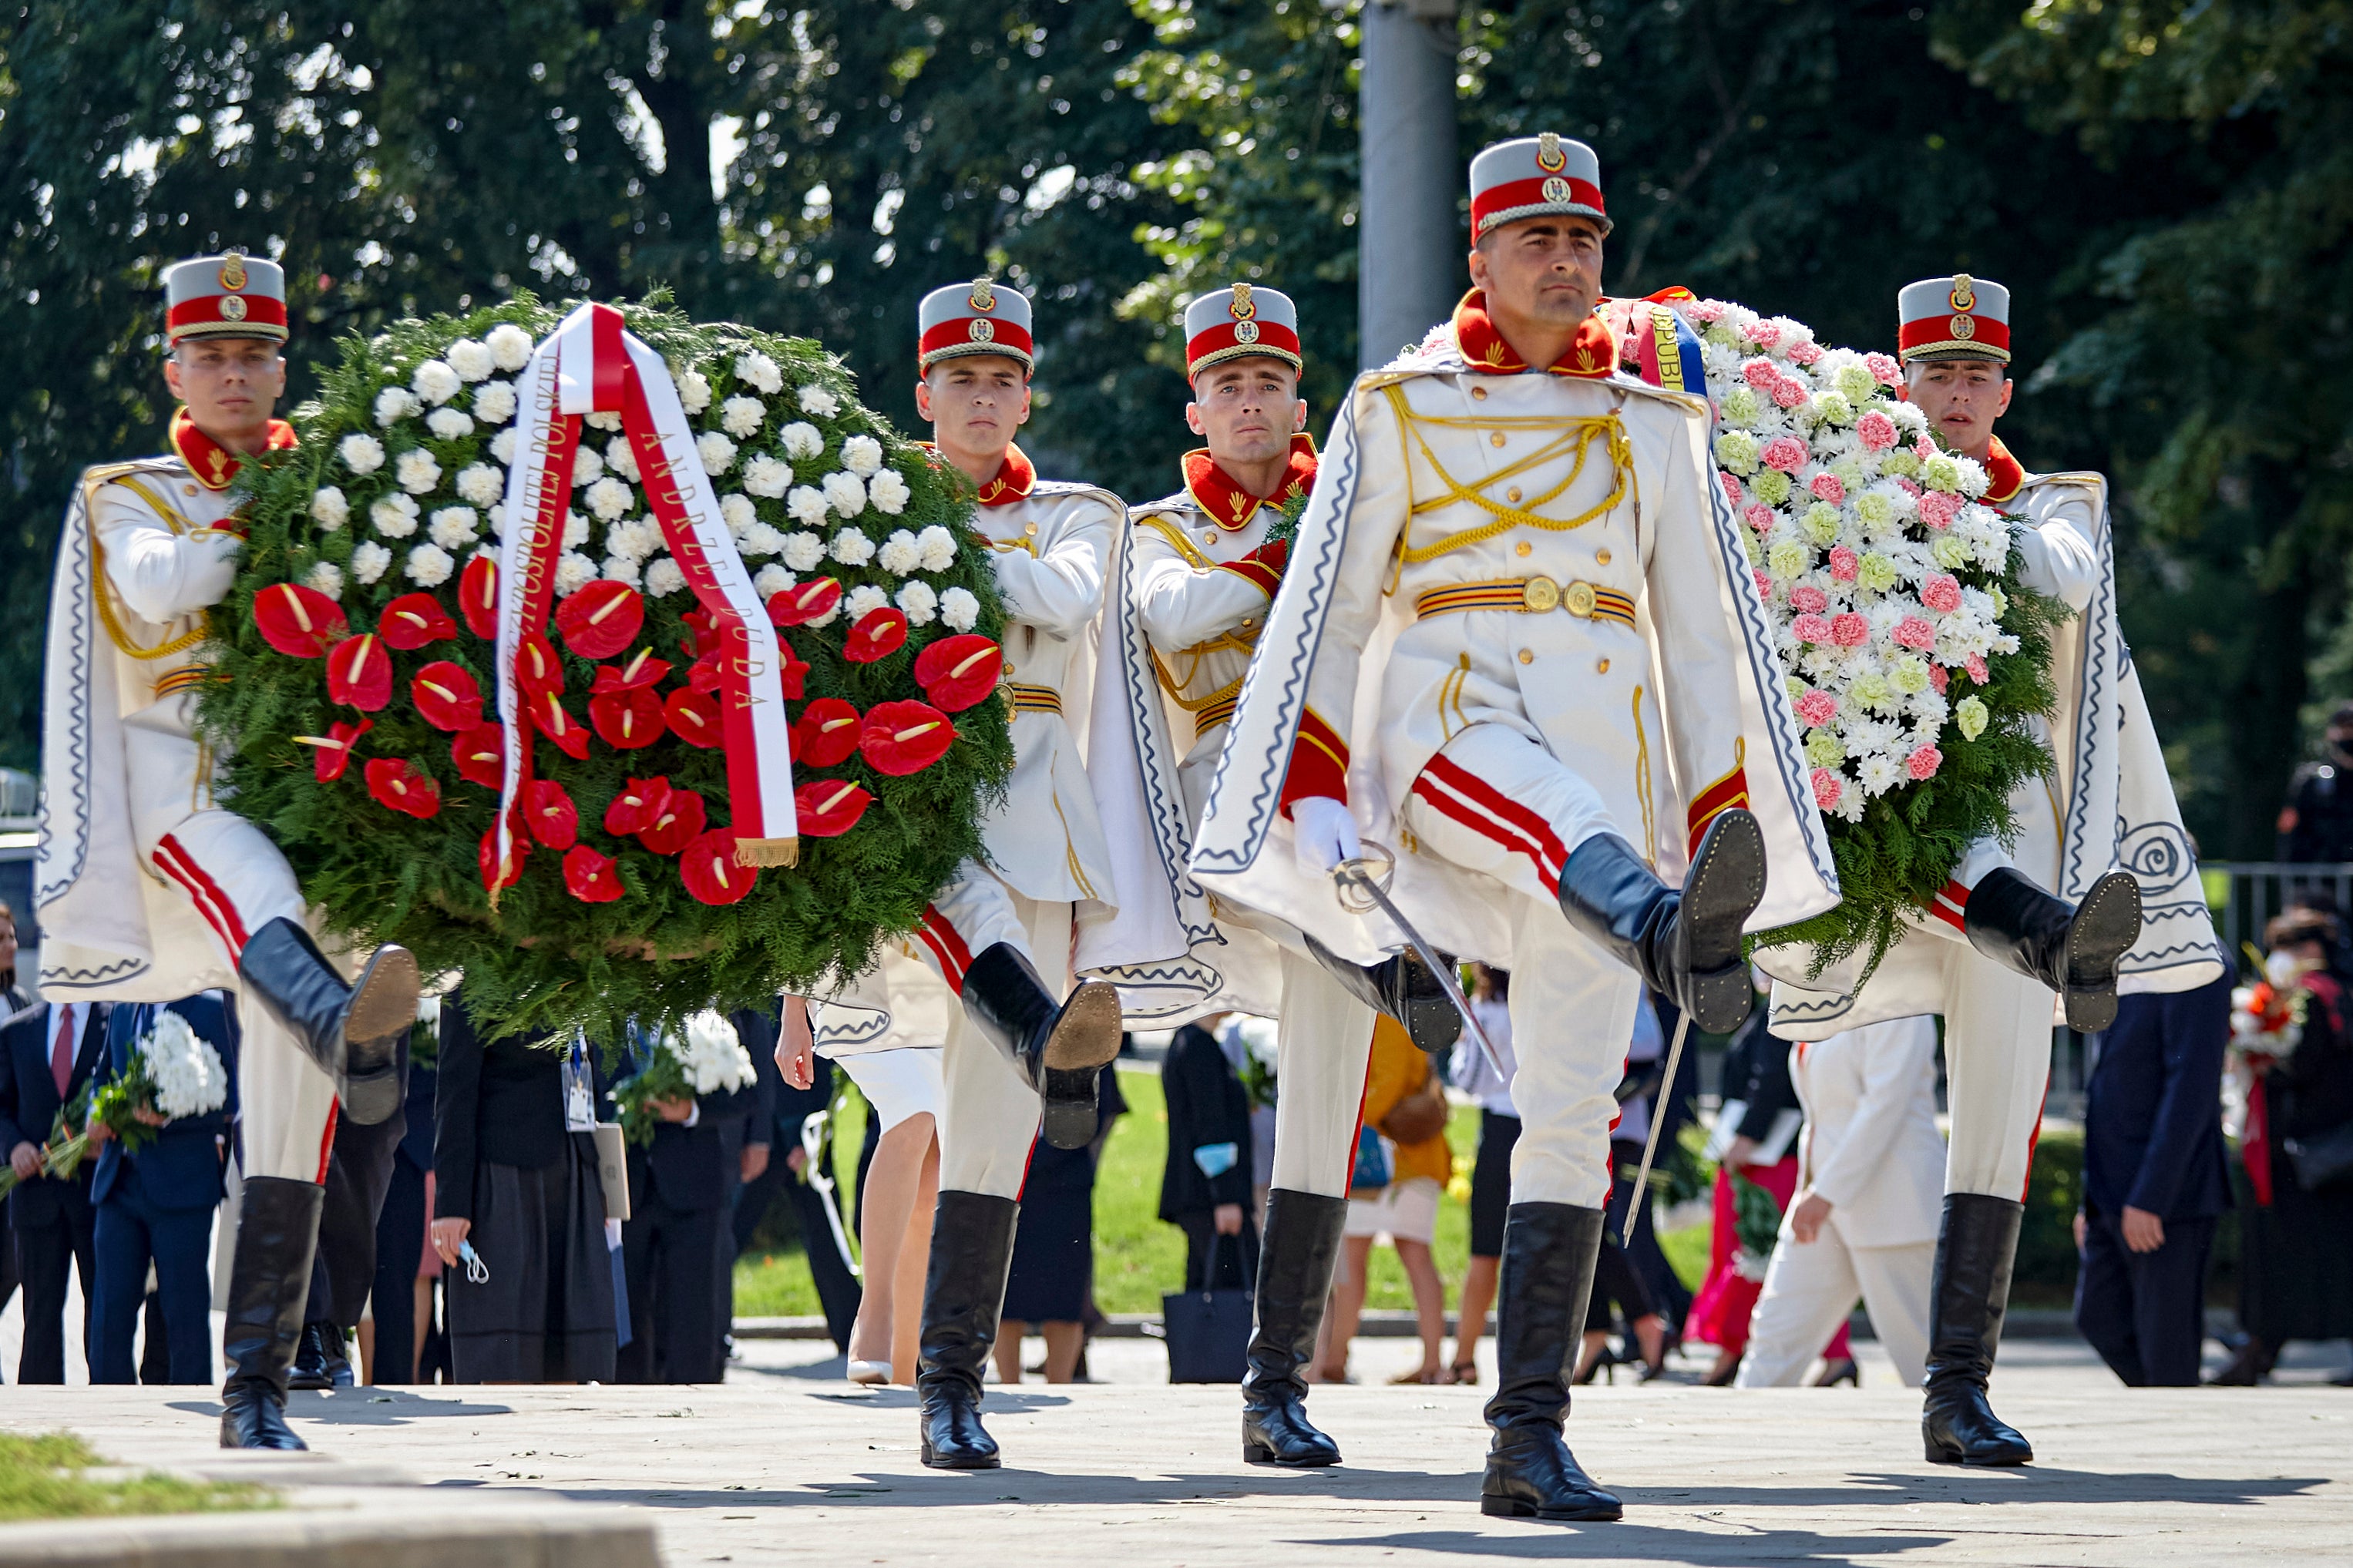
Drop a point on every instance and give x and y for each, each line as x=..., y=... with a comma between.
x=1828, y=486
x=1850, y=630
x=1914, y=633
x=1938, y=508
x=1908, y=487
x=1786, y=453
x=1809, y=601
x=1876, y=431
x=1765, y=334
x=1939, y=677
x=1941, y=593
x=1805, y=353
x=1924, y=762
x=1731, y=487
x=1707, y=311
x=1923, y=448
x=1811, y=629
x=1817, y=709
x=1761, y=373
x=1764, y=585
x=1828, y=787
x=1788, y=393
x=1975, y=666
x=1845, y=565
x=1760, y=517
x=1883, y=369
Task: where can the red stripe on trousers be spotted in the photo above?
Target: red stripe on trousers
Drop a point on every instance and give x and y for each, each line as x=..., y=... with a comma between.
x=1348, y=1177
x=947, y=945
x=327, y=1139
x=219, y=912
x=2033, y=1140
x=1512, y=811
x=1449, y=806
x=1951, y=905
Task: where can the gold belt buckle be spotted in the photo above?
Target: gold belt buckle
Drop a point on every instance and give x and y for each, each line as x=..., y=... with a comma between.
x=1579, y=598
x=1538, y=594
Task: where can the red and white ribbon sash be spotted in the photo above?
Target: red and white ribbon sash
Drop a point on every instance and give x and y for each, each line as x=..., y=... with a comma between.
x=591, y=364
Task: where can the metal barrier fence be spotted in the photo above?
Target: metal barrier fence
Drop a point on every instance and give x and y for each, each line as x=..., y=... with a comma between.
x=2245, y=894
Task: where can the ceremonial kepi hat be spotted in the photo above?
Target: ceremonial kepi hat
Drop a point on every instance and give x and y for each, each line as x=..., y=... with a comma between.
x=1958, y=317
x=975, y=318
x=1535, y=176
x=1235, y=322
x=232, y=296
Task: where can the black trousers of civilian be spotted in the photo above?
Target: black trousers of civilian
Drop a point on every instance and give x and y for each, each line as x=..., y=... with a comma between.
x=837, y=1288
x=671, y=1257
x=45, y=1250
x=2145, y=1312
x=399, y=1248
x=1235, y=1258
x=359, y=1173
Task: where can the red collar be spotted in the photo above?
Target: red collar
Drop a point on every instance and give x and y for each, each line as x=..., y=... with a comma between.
x=1229, y=506
x=214, y=465
x=2005, y=473
x=1592, y=355
x=1015, y=477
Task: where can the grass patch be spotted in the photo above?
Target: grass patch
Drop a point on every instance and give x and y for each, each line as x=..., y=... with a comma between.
x=41, y=1478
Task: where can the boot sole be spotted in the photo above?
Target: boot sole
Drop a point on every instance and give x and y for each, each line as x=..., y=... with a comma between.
x=1260, y=1454
x=1937, y=1456
x=1085, y=1038
x=2108, y=922
x=383, y=1003
x=1513, y=1508
x=1725, y=885
x=932, y=1461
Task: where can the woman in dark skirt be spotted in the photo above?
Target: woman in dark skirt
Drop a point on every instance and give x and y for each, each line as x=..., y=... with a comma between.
x=515, y=1175
x=1053, y=1271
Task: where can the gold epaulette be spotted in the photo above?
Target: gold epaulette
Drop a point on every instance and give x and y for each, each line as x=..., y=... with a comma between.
x=1158, y=522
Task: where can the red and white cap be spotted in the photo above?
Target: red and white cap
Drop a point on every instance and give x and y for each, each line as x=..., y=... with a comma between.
x=1535, y=176
x=232, y=296
x=1958, y=317
x=1239, y=322
x=975, y=318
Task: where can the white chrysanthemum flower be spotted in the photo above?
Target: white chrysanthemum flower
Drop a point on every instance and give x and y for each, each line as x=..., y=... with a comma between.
x=494, y=402
x=759, y=370
x=574, y=572
x=920, y=602
x=621, y=457
x=436, y=383
x=846, y=493
x=635, y=539
x=186, y=1071
x=693, y=391
x=959, y=610
x=664, y=577
x=852, y=548
x=395, y=516
x=736, y=511
x=605, y=419
x=449, y=424
x=510, y=345
x=863, y=601
x=395, y=404
x=801, y=440
x=772, y=580
x=888, y=492
x=716, y=451
x=762, y=539
x=481, y=484
x=328, y=509
x=739, y=417
x=369, y=561
x=623, y=569
x=502, y=446
x=802, y=552
x=361, y=452
x=587, y=468
x=416, y=471
x=453, y=527
x=817, y=400
x=807, y=503
x=711, y=1053
x=576, y=530
x=862, y=456
x=765, y=476
x=939, y=548
x=470, y=360
x=610, y=498
x=429, y=565
x=326, y=577
x=900, y=553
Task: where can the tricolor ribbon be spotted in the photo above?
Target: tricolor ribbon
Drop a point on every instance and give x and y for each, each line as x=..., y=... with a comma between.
x=590, y=364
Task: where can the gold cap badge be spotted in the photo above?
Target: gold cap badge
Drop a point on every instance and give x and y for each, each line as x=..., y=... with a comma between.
x=1556, y=189
x=1963, y=327
x=232, y=275
x=1549, y=157
x=982, y=332
x=1245, y=331
x=232, y=307
x=1965, y=291
x=1241, y=310
x=983, y=295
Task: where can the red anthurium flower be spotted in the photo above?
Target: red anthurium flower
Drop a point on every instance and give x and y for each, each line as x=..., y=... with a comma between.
x=589, y=877
x=360, y=672
x=299, y=621
x=901, y=737
x=334, y=748
x=704, y=675
x=804, y=601
x=627, y=720
x=518, y=847
x=478, y=596
x=692, y=718
x=879, y=633
x=829, y=807
x=601, y=619
x=413, y=620
x=570, y=735
x=396, y=783
x=634, y=809
x=642, y=669
x=705, y=634
x=827, y=733
x=707, y=865
x=792, y=673
x=957, y=672
x=554, y=820
x=679, y=819
x=446, y=696
x=537, y=669
x=481, y=756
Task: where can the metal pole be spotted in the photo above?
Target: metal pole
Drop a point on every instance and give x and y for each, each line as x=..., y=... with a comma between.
x=1411, y=243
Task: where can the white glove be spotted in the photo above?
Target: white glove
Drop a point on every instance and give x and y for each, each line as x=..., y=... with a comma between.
x=1326, y=834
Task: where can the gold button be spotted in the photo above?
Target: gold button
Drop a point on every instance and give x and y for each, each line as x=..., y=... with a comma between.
x=1209, y=536
x=1496, y=439
x=1527, y=658
x=1029, y=528
x=1603, y=667
x=1480, y=393
x=1248, y=621
x=188, y=490
x=1512, y=494
x=1009, y=667
x=1523, y=547
x=1601, y=556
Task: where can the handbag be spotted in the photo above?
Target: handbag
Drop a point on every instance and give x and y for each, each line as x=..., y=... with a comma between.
x=2322, y=1160
x=1419, y=1116
x=1372, y=1171
x=1209, y=1331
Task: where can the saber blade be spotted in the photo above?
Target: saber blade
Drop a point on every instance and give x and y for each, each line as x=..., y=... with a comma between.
x=1352, y=874
x=1658, y=1120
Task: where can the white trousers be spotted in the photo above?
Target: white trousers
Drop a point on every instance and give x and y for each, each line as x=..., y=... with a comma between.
x=1326, y=1039
x=1810, y=1289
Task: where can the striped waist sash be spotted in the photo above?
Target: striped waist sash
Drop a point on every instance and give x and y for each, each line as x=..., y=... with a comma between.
x=1528, y=595
x=1020, y=699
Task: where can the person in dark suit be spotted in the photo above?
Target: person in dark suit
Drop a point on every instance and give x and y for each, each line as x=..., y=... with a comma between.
x=747, y=1140
x=679, y=1189
x=2154, y=1183
x=47, y=1052
x=787, y=1174
x=156, y=1205
x=400, y=1224
x=343, y=1264
x=1204, y=1189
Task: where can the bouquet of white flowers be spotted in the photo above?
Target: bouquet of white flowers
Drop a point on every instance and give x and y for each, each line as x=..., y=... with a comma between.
x=174, y=1072
x=707, y=1056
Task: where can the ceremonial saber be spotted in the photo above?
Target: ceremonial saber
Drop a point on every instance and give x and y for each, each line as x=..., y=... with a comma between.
x=1354, y=874
x=813, y=1147
x=1658, y=1120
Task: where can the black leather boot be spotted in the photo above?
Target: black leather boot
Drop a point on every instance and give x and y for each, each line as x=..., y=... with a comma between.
x=963, y=1288
x=1059, y=1048
x=2073, y=948
x=320, y=1363
x=1549, y=1253
x=1402, y=986
x=1966, y=1303
x=1685, y=945
x=269, y=1284
x=1295, y=1277
x=354, y=1032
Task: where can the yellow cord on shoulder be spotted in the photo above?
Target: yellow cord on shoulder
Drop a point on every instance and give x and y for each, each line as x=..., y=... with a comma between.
x=1570, y=437
x=103, y=593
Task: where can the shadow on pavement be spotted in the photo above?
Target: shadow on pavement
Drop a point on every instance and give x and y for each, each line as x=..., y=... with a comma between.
x=357, y=1407
x=1637, y=1538
x=2025, y=1484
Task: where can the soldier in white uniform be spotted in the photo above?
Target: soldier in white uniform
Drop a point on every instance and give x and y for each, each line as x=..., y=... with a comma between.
x=2098, y=891
x=1514, y=643
x=1199, y=572
x=151, y=888
x=1000, y=936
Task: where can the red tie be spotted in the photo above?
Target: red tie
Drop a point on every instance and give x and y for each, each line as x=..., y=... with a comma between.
x=62, y=1055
